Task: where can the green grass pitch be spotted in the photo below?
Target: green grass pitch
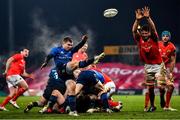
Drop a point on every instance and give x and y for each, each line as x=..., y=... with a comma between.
x=132, y=109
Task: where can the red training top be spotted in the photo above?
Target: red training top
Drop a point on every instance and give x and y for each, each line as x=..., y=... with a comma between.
x=17, y=66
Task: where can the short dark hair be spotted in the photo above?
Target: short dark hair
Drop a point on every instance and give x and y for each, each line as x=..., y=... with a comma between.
x=67, y=39
x=145, y=28
x=21, y=49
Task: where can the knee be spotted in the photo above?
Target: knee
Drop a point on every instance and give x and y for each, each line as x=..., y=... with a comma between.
x=55, y=93
x=72, y=65
x=71, y=86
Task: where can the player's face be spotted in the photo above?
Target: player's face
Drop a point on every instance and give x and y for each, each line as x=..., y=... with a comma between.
x=145, y=34
x=84, y=48
x=67, y=46
x=25, y=52
x=165, y=38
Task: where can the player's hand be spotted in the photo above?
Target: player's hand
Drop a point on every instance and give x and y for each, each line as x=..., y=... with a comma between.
x=146, y=11
x=84, y=37
x=43, y=65
x=139, y=14
x=32, y=76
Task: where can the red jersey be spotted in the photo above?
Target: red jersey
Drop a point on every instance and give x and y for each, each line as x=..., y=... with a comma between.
x=149, y=51
x=166, y=51
x=17, y=66
x=79, y=56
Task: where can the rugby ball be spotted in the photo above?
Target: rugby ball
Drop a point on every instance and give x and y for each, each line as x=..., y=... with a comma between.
x=108, y=13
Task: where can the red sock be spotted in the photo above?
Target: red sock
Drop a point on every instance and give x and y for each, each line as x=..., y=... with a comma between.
x=20, y=92
x=113, y=103
x=146, y=99
x=6, y=100
x=168, y=98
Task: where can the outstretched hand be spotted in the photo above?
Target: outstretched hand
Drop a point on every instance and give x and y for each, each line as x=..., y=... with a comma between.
x=139, y=14
x=146, y=11
x=43, y=65
x=32, y=76
x=84, y=37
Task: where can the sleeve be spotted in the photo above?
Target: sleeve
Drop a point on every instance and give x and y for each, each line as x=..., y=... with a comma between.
x=173, y=50
x=53, y=52
x=78, y=46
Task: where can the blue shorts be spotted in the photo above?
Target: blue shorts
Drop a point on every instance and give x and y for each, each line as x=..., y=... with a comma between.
x=87, y=78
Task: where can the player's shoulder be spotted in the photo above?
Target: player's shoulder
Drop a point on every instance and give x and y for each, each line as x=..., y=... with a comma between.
x=172, y=45
x=160, y=43
x=17, y=55
x=56, y=49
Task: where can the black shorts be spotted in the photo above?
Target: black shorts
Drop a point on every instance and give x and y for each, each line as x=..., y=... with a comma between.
x=50, y=87
x=63, y=74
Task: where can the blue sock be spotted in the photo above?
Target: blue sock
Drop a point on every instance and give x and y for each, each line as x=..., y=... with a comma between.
x=72, y=102
x=52, y=101
x=85, y=63
x=104, y=100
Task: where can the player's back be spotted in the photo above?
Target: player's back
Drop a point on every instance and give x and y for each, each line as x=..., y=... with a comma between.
x=54, y=78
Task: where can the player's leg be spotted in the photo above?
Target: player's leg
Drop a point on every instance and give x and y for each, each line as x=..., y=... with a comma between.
x=12, y=92
x=150, y=81
x=160, y=77
x=115, y=105
x=170, y=89
x=71, y=97
x=72, y=65
x=162, y=93
x=146, y=103
x=11, y=81
x=23, y=86
x=78, y=88
x=103, y=96
x=56, y=97
x=112, y=88
x=43, y=100
x=39, y=103
x=94, y=60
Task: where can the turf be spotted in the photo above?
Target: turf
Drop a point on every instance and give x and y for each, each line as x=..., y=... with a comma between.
x=132, y=109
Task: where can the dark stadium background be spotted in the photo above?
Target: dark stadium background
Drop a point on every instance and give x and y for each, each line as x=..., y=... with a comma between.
x=36, y=24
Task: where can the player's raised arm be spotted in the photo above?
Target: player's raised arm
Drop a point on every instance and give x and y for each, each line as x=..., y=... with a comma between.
x=146, y=13
x=8, y=63
x=80, y=44
x=47, y=59
x=139, y=16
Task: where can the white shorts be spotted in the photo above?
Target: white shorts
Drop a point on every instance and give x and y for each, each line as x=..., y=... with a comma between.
x=112, y=87
x=155, y=74
x=153, y=68
x=13, y=80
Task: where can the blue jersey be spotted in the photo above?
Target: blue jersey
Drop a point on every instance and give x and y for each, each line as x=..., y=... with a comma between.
x=99, y=76
x=54, y=78
x=62, y=56
x=88, y=78
x=54, y=83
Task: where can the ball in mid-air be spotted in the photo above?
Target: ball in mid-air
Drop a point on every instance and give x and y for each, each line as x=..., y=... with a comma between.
x=111, y=12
